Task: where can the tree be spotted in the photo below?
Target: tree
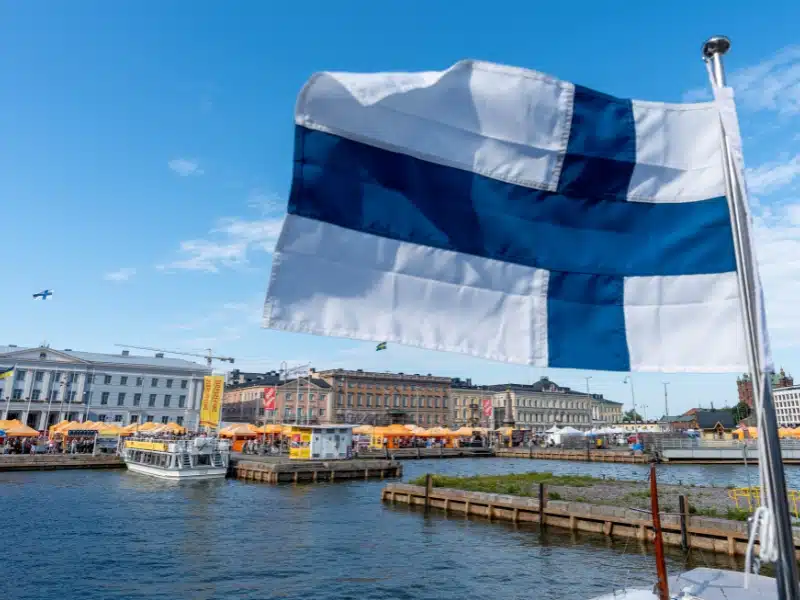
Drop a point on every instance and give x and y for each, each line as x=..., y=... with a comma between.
x=740, y=411
x=631, y=416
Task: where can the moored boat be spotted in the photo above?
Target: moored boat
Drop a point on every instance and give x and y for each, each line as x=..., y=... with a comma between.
x=198, y=458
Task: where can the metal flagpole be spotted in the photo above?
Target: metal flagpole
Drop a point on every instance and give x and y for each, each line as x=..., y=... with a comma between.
x=30, y=396
x=786, y=565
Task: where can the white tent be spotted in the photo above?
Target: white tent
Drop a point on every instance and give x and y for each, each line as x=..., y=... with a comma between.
x=570, y=431
x=553, y=429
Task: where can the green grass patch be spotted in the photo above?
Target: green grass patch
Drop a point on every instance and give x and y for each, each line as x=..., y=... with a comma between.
x=732, y=514
x=517, y=484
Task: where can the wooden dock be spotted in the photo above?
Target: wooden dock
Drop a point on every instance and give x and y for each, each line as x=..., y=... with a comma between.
x=612, y=456
x=52, y=462
x=687, y=531
x=282, y=470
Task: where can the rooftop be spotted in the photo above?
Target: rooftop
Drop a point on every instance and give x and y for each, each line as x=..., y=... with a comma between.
x=159, y=360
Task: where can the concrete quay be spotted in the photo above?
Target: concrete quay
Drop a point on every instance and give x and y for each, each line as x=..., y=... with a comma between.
x=414, y=453
x=687, y=531
x=51, y=462
x=614, y=456
x=269, y=469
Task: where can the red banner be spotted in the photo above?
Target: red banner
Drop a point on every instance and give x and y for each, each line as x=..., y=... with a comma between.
x=487, y=407
x=269, y=398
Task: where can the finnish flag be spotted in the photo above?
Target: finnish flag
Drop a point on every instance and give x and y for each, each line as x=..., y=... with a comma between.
x=505, y=214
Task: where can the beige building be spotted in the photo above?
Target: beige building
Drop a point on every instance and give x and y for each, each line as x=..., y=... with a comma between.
x=469, y=404
x=541, y=405
x=605, y=412
x=383, y=398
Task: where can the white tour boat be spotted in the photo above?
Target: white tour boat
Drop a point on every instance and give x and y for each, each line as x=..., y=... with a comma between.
x=198, y=458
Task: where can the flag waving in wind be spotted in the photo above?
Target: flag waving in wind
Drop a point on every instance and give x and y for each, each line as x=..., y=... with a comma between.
x=381, y=346
x=503, y=213
x=6, y=373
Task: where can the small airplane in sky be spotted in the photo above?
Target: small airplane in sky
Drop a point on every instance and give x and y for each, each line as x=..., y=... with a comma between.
x=43, y=294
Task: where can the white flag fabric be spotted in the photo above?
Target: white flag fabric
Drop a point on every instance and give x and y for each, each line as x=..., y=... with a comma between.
x=505, y=214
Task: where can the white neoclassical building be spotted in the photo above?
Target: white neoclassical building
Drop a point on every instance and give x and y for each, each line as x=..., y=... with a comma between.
x=49, y=385
x=787, y=405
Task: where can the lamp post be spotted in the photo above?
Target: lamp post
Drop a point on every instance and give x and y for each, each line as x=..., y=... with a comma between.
x=629, y=380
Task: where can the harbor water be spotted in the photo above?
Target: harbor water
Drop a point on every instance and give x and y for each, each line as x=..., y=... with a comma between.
x=118, y=535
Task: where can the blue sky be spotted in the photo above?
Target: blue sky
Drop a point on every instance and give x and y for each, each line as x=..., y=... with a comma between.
x=145, y=156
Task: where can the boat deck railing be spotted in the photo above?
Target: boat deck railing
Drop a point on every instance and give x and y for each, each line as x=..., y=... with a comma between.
x=176, y=445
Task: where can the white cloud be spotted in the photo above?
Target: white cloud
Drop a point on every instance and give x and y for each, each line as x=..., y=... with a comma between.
x=777, y=233
x=229, y=245
x=121, y=275
x=771, y=85
x=185, y=167
x=773, y=176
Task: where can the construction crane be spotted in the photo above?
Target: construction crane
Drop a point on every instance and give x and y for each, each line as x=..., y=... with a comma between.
x=208, y=356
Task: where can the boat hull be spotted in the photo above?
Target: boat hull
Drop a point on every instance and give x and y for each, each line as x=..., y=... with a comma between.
x=179, y=474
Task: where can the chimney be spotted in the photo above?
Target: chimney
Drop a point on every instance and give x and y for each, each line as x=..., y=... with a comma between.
x=126, y=353
x=159, y=355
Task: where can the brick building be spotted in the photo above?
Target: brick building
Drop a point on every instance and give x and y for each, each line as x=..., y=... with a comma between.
x=383, y=398
x=744, y=385
x=301, y=400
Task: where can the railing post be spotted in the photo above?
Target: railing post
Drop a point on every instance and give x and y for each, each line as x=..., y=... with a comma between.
x=542, y=503
x=683, y=508
x=428, y=490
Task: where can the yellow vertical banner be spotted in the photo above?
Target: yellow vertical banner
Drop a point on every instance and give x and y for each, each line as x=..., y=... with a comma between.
x=211, y=404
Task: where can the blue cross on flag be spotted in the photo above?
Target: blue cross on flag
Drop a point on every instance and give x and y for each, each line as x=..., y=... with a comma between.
x=43, y=294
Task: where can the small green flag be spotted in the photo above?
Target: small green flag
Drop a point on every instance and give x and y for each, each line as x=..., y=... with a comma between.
x=381, y=346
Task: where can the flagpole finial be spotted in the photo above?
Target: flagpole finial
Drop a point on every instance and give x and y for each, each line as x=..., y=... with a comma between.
x=718, y=44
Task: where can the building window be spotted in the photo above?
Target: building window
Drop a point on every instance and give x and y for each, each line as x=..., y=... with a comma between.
x=154, y=382
x=184, y=383
x=54, y=395
x=151, y=401
x=349, y=399
x=104, y=398
x=134, y=419
x=444, y=402
x=181, y=401
x=430, y=402
x=405, y=401
x=87, y=396
x=369, y=400
x=149, y=418
x=20, y=374
x=169, y=383
x=165, y=420
x=121, y=399
x=360, y=399
x=137, y=399
x=339, y=399
x=101, y=418
x=321, y=412
x=123, y=381
x=117, y=418
x=436, y=402
x=179, y=421
x=16, y=395
x=139, y=381
x=167, y=400
x=39, y=375
x=396, y=401
x=35, y=394
x=106, y=380
x=386, y=402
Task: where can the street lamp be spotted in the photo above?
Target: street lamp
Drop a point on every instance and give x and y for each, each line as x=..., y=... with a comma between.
x=628, y=379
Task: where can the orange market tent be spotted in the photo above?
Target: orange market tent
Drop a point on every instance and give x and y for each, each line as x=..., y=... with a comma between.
x=271, y=428
x=464, y=432
x=363, y=430
x=391, y=434
x=239, y=430
x=15, y=428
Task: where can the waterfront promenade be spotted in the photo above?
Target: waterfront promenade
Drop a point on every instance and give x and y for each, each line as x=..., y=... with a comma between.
x=52, y=462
